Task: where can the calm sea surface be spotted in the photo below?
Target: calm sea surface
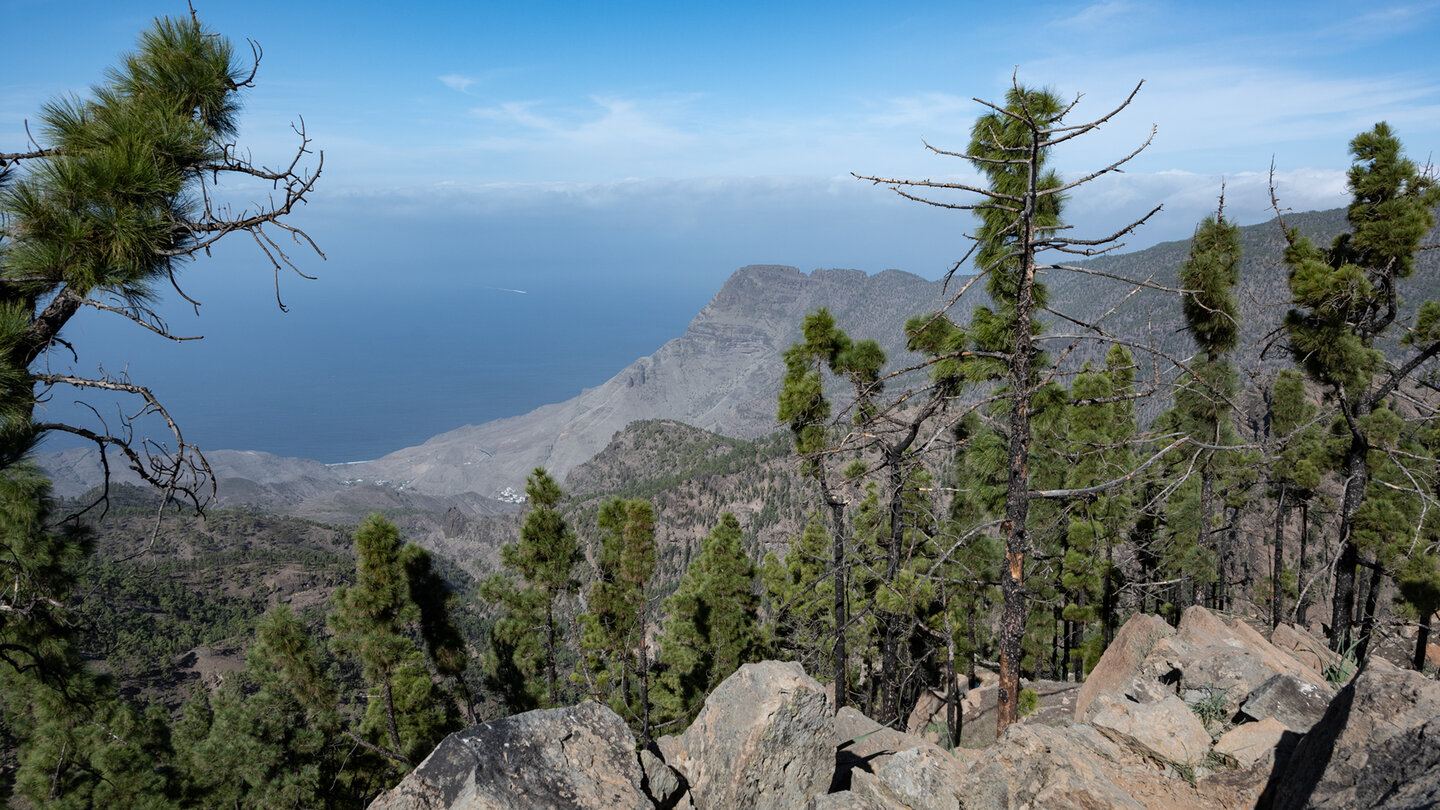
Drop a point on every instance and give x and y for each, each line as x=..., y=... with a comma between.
x=353, y=372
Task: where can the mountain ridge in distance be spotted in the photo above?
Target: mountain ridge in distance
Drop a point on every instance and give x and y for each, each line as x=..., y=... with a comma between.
x=722, y=375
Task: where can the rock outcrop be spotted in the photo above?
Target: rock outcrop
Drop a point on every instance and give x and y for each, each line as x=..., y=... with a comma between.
x=1165, y=729
x=765, y=739
x=1122, y=660
x=768, y=737
x=1378, y=745
x=580, y=757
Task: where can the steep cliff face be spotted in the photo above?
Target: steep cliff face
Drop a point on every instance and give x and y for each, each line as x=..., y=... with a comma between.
x=722, y=375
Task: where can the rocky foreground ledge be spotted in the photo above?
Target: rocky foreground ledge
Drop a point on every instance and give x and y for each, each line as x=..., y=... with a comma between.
x=1211, y=715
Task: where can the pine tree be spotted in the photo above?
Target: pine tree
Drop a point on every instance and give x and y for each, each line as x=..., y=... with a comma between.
x=271, y=736
x=1019, y=219
x=711, y=625
x=799, y=598
x=1101, y=425
x=1346, y=299
x=1203, y=402
x=1295, y=474
x=527, y=639
x=613, y=629
x=405, y=712
x=804, y=406
x=124, y=188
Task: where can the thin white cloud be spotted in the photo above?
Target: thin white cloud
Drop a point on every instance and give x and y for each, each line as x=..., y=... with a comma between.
x=456, y=82
x=1095, y=15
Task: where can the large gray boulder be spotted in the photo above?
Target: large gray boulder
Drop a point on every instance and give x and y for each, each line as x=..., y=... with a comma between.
x=861, y=744
x=1296, y=703
x=1378, y=745
x=1070, y=767
x=1228, y=661
x=765, y=739
x=577, y=758
x=919, y=778
x=1166, y=730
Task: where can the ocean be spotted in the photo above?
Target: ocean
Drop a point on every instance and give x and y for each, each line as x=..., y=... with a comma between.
x=360, y=368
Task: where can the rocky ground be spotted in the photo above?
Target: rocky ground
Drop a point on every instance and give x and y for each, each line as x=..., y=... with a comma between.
x=1207, y=715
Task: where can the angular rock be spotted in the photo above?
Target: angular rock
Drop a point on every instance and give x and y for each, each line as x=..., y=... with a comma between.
x=1230, y=660
x=864, y=745
x=921, y=778
x=669, y=747
x=929, y=704
x=577, y=757
x=1122, y=660
x=1065, y=768
x=1303, y=647
x=1251, y=743
x=1295, y=703
x=662, y=784
x=1376, y=745
x=848, y=800
x=1166, y=730
x=765, y=739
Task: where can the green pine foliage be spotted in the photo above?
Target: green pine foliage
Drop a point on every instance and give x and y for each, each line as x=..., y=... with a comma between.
x=1204, y=400
x=711, y=624
x=1100, y=427
x=527, y=638
x=1347, y=298
x=617, y=661
x=405, y=712
x=272, y=735
x=799, y=596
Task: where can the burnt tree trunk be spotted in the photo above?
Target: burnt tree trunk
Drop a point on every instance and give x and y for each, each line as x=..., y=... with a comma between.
x=1357, y=478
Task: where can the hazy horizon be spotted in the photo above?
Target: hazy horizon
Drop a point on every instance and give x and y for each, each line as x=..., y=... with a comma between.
x=618, y=163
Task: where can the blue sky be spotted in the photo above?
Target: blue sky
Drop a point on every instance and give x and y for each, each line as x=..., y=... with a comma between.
x=650, y=149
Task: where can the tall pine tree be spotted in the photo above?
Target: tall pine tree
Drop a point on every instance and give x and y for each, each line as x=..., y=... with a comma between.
x=1347, y=298
x=617, y=657
x=527, y=639
x=711, y=623
x=405, y=713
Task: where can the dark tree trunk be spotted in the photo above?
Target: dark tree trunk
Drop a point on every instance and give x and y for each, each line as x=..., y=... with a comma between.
x=1207, y=496
x=1367, y=617
x=952, y=681
x=890, y=653
x=1277, y=592
x=839, y=659
x=1302, y=606
x=1017, y=493
x=1422, y=640
x=550, y=668
x=1357, y=478
x=644, y=690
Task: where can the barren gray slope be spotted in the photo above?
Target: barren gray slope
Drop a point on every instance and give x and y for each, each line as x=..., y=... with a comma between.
x=722, y=375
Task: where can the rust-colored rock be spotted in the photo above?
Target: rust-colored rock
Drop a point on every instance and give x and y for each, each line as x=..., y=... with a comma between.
x=1122, y=659
x=1303, y=647
x=1249, y=744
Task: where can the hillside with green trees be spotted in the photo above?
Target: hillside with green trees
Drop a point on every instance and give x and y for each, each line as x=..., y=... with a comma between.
x=990, y=484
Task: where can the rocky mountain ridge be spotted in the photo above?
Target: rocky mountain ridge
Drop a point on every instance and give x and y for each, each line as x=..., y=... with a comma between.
x=724, y=373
